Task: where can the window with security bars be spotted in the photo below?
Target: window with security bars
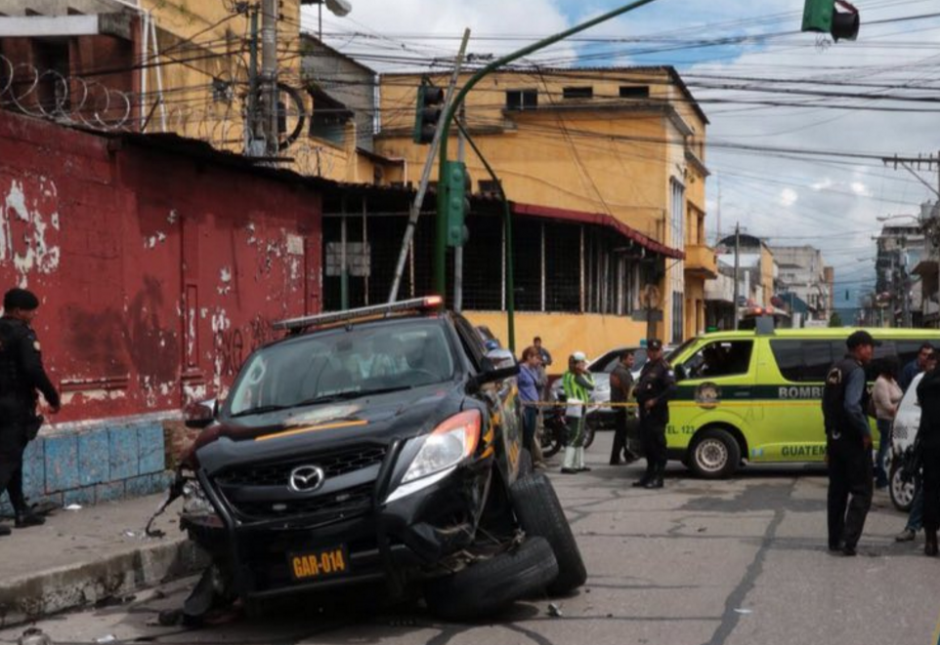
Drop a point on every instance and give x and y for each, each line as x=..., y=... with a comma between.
x=522, y=99
x=548, y=264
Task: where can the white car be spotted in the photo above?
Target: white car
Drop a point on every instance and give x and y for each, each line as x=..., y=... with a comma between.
x=904, y=432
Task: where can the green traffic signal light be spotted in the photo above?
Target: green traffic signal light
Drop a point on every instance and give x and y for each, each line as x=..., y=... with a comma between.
x=454, y=185
x=822, y=16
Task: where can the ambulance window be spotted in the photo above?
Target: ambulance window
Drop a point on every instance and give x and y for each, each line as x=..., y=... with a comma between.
x=720, y=359
x=805, y=361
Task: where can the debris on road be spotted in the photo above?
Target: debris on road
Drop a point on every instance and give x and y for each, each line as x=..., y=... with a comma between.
x=554, y=610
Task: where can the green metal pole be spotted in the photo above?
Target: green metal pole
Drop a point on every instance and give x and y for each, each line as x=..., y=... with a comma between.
x=253, y=80
x=440, y=251
x=510, y=255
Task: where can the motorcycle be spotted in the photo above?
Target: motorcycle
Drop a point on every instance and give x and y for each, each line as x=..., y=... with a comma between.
x=554, y=435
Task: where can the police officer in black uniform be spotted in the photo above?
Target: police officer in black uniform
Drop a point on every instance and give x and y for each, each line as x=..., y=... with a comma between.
x=848, y=444
x=21, y=374
x=657, y=384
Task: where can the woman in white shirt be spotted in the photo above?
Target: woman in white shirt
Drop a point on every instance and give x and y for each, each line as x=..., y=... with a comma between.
x=887, y=396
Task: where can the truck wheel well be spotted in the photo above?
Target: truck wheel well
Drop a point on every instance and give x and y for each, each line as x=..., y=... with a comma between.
x=727, y=427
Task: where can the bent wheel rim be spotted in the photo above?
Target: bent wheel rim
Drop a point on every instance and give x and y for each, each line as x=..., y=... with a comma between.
x=711, y=455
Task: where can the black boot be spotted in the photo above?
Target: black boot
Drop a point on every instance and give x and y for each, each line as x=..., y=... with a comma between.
x=657, y=480
x=25, y=519
x=930, y=545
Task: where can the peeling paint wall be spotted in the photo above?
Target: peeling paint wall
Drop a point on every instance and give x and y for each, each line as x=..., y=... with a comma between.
x=158, y=273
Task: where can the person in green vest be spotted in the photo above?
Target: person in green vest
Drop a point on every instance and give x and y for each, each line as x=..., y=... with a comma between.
x=578, y=385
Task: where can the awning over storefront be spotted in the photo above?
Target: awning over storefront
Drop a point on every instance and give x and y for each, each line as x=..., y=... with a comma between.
x=602, y=219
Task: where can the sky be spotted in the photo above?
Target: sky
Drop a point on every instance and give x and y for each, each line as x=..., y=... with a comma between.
x=787, y=164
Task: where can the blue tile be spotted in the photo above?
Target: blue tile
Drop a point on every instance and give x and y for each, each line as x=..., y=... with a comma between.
x=152, y=448
x=82, y=496
x=124, y=453
x=34, y=468
x=146, y=485
x=94, y=457
x=61, y=463
x=111, y=492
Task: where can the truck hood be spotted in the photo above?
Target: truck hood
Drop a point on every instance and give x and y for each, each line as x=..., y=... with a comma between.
x=284, y=434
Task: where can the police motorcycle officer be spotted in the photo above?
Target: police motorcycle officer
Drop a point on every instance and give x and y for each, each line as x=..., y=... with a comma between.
x=656, y=385
x=21, y=375
x=848, y=444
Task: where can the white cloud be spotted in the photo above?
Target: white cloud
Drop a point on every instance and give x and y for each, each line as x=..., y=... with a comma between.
x=788, y=197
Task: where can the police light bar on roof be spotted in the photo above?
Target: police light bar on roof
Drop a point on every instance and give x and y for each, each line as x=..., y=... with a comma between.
x=428, y=302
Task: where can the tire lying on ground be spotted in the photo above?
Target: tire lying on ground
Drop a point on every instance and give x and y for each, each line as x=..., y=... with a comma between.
x=484, y=588
x=540, y=514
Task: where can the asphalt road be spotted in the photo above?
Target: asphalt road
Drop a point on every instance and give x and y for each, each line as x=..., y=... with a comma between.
x=738, y=562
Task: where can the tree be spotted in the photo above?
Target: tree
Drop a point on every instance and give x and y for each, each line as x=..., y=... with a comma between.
x=835, y=320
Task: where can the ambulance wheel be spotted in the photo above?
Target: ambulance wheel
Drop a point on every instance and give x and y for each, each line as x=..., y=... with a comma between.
x=900, y=488
x=715, y=454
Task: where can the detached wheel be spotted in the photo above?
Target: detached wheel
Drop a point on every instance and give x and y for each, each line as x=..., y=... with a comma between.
x=525, y=463
x=715, y=454
x=540, y=514
x=901, y=491
x=486, y=587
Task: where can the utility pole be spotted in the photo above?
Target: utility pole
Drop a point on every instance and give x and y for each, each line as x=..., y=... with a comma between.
x=933, y=225
x=269, y=75
x=253, y=130
x=415, y=210
x=737, y=267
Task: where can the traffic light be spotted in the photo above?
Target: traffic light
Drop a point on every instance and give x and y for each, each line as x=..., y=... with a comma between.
x=428, y=112
x=822, y=16
x=454, y=185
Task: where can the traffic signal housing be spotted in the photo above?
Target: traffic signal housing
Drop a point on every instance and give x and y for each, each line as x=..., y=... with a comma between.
x=456, y=203
x=428, y=112
x=822, y=16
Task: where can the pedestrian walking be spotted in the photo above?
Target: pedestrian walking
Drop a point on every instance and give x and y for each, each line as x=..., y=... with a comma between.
x=887, y=395
x=529, y=394
x=915, y=517
x=621, y=391
x=578, y=384
x=656, y=385
x=848, y=444
x=928, y=436
x=21, y=375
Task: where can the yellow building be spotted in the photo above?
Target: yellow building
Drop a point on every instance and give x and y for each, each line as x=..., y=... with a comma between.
x=613, y=160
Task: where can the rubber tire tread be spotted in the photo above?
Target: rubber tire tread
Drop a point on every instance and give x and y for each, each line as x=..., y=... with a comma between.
x=540, y=514
x=734, y=454
x=526, y=466
x=486, y=587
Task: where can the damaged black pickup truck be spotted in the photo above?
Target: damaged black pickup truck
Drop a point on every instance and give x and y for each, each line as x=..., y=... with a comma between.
x=378, y=446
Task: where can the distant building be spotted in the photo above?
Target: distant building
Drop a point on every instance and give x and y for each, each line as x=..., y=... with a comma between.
x=757, y=268
x=926, y=267
x=901, y=247
x=805, y=277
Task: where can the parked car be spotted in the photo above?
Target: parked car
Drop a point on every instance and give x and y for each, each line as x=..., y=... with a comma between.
x=373, y=447
x=903, y=434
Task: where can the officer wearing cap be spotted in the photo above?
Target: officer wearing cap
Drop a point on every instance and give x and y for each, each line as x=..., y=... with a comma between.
x=657, y=384
x=21, y=374
x=848, y=444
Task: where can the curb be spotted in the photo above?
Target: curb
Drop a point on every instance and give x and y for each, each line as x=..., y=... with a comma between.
x=31, y=597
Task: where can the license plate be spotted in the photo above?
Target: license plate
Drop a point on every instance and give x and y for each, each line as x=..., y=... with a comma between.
x=318, y=564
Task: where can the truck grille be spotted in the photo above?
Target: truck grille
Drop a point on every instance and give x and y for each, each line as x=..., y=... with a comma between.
x=334, y=464
x=324, y=509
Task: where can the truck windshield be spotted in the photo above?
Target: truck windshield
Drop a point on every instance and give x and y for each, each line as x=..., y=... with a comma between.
x=342, y=364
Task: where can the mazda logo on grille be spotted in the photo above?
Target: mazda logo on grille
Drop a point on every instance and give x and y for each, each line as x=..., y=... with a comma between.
x=305, y=479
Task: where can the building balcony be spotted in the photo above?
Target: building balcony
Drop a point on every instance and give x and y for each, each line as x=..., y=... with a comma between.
x=700, y=261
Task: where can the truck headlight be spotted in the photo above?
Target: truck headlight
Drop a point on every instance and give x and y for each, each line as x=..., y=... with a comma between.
x=450, y=443
x=195, y=502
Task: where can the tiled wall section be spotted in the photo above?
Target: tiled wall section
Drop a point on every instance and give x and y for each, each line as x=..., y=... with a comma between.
x=97, y=463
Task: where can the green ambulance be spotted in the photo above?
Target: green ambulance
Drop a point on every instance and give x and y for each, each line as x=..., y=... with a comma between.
x=756, y=396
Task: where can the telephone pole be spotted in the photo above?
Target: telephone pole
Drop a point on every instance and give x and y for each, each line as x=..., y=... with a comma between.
x=737, y=267
x=269, y=76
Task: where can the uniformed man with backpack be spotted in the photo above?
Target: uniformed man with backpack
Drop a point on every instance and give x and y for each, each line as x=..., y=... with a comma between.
x=848, y=444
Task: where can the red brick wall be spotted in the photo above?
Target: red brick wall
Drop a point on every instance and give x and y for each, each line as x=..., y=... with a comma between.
x=158, y=273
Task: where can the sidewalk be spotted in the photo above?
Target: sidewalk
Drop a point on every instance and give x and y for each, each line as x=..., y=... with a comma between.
x=87, y=556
